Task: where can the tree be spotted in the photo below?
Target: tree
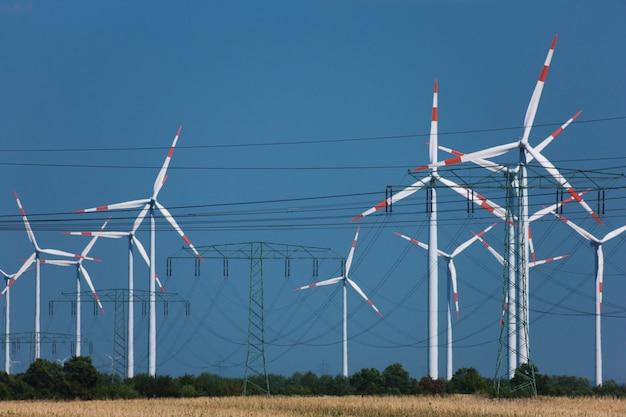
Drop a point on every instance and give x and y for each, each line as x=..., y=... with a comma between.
x=430, y=386
x=368, y=381
x=467, y=381
x=397, y=379
x=47, y=379
x=82, y=377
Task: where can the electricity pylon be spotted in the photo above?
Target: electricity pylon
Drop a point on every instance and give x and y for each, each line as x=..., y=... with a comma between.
x=256, y=377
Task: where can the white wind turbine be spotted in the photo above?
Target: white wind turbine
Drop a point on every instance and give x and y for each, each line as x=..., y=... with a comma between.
x=597, y=244
x=36, y=257
x=7, y=324
x=345, y=279
x=80, y=269
x=451, y=281
x=150, y=205
x=132, y=240
x=526, y=153
x=430, y=182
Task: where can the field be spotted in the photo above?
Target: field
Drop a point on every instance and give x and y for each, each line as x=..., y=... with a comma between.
x=452, y=406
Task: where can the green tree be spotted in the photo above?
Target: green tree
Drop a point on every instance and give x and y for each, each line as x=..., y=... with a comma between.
x=467, y=381
x=47, y=379
x=82, y=377
x=368, y=381
x=397, y=380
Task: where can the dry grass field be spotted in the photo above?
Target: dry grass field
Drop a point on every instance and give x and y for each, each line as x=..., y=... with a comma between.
x=452, y=406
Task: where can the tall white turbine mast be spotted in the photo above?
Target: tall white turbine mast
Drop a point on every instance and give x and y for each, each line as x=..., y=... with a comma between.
x=511, y=176
x=150, y=205
x=526, y=153
x=345, y=279
x=451, y=281
x=429, y=181
x=599, y=261
x=132, y=240
x=80, y=269
x=36, y=257
x=7, y=324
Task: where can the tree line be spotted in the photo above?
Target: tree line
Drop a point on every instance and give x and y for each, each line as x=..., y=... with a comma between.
x=78, y=378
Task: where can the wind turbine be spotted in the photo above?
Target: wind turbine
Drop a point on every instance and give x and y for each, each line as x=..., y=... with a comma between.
x=597, y=244
x=7, y=324
x=451, y=280
x=80, y=269
x=526, y=153
x=345, y=279
x=150, y=205
x=430, y=182
x=132, y=240
x=36, y=257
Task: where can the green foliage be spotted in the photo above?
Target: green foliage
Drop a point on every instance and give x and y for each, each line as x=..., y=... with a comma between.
x=430, y=386
x=397, y=380
x=46, y=379
x=368, y=381
x=78, y=378
x=571, y=386
x=467, y=381
x=82, y=378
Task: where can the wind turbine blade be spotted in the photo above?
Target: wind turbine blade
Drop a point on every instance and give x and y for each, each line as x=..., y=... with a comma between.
x=321, y=283
x=477, y=199
x=452, y=269
x=547, y=165
x=175, y=225
x=531, y=246
x=504, y=307
x=471, y=240
x=140, y=217
x=58, y=262
x=29, y=230
x=91, y=287
x=492, y=250
x=547, y=210
x=5, y=274
x=531, y=111
x=93, y=240
x=434, y=122
x=421, y=244
x=471, y=157
x=160, y=179
x=554, y=134
x=144, y=255
x=109, y=235
x=548, y=260
x=395, y=198
x=19, y=273
x=125, y=205
x=362, y=294
x=414, y=241
x=57, y=252
x=614, y=233
x=351, y=254
x=483, y=163
x=577, y=228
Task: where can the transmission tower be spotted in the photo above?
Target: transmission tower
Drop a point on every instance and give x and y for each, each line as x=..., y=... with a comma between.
x=119, y=296
x=256, y=377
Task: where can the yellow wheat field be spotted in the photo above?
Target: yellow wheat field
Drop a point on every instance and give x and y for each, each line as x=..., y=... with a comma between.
x=452, y=406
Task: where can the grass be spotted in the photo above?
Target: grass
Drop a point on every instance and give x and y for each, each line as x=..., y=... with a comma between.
x=451, y=406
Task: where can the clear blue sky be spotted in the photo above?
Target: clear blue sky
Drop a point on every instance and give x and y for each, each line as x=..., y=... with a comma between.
x=296, y=116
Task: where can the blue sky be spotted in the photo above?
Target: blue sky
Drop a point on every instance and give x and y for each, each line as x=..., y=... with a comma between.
x=296, y=116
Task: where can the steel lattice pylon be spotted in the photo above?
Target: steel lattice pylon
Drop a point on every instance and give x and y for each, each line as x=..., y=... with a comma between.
x=256, y=379
x=119, y=296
